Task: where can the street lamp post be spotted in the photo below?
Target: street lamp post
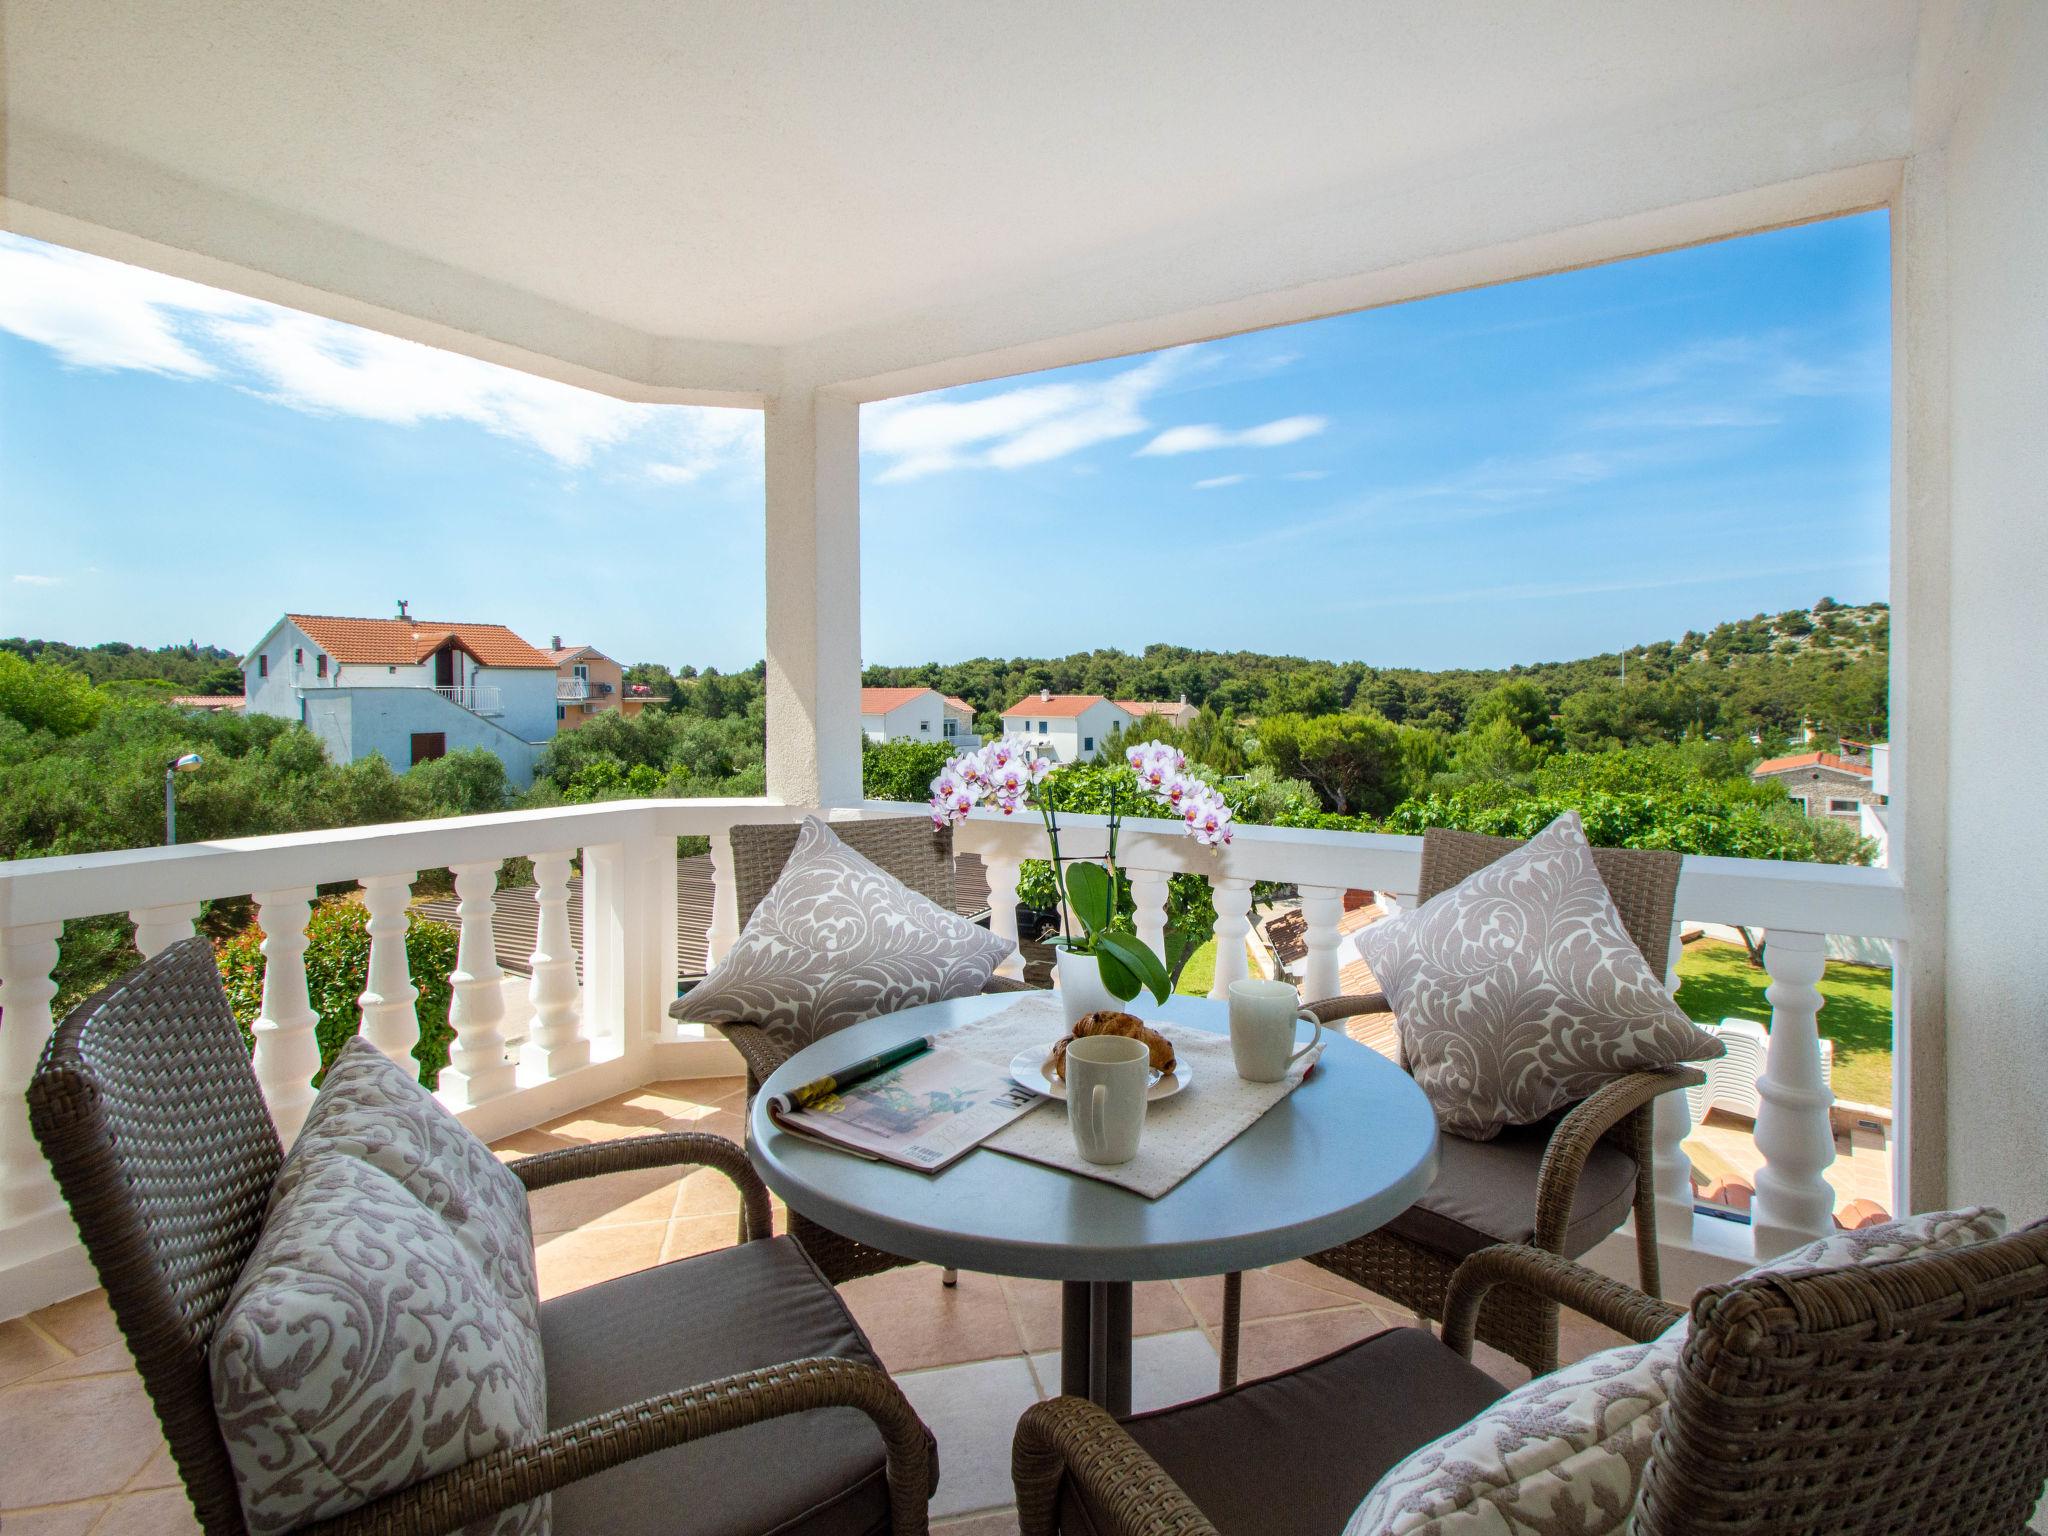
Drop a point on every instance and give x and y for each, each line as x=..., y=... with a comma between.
x=185, y=764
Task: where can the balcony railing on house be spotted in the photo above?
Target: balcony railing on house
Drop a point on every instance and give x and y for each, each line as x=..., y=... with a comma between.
x=478, y=698
x=575, y=1042
x=570, y=689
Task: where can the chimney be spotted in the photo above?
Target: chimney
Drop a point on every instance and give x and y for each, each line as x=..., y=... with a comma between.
x=1045, y=695
x=402, y=605
x=1183, y=701
x=554, y=642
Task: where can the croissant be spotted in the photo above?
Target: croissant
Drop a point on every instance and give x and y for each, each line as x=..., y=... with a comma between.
x=1110, y=1022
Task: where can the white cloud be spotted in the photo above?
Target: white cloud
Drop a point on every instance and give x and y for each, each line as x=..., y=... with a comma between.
x=96, y=313
x=1217, y=482
x=40, y=581
x=1733, y=383
x=1207, y=436
x=1034, y=424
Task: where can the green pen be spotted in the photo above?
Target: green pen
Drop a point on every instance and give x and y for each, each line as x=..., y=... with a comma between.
x=821, y=1088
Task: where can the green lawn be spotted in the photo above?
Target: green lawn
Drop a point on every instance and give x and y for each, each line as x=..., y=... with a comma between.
x=1716, y=982
x=1200, y=973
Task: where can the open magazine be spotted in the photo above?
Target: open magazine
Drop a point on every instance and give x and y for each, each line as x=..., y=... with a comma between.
x=925, y=1113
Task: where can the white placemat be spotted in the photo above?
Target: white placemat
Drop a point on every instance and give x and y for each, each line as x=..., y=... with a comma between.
x=1181, y=1133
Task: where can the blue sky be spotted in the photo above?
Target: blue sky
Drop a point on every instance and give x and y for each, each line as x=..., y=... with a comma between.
x=1534, y=471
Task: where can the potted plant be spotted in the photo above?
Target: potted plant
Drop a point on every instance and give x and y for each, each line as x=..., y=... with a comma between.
x=1100, y=961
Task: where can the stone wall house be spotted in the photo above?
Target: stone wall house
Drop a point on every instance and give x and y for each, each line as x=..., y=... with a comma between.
x=1824, y=783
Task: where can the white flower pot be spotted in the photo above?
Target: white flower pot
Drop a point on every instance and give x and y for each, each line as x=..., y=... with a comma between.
x=1081, y=988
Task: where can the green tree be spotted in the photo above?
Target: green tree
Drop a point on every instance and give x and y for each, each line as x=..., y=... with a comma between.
x=1522, y=704
x=900, y=770
x=45, y=695
x=1354, y=761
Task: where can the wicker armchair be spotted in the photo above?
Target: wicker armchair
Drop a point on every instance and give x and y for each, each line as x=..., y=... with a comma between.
x=148, y=1110
x=916, y=853
x=1561, y=1185
x=1880, y=1400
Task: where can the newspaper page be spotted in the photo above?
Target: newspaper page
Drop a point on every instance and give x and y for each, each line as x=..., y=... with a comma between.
x=925, y=1114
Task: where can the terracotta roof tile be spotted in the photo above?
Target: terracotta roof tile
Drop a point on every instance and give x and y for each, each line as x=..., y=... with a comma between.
x=1060, y=706
x=1811, y=760
x=879, y=701
x=407, y=642
x=958, y=703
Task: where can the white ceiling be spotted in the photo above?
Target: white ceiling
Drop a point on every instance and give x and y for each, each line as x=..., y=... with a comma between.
x=776, y=173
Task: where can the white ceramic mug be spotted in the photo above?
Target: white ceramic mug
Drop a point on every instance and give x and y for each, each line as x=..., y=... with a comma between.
x=1107, y=1076
x=1262, y=1019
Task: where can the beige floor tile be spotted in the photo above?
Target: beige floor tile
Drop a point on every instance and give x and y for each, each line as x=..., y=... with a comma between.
x=916, y=1323
x=528, y=1144
x=73, y=1439
x=1505, y=1369
x=685, y=1094
x=1156, y=1307
x=973, y=1411
x=570, y=1261
x=108, y=1360
x=1000, y=1522
x=25, y=1350
x=159, y=1472
x=690, y=1235
x=164, y=1512
x=1265, y=1295
x=717, y=1122
x=1304, y=1273
x=1578, y=1337
x=82, y=1324
x=1166, y=1368
x=1280, y=1344
x=707, y=1192
x=63, y=1520
x=612, y=1199
x=607, y=1122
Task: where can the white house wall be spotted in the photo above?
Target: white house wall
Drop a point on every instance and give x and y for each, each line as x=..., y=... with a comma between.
x=353, y=723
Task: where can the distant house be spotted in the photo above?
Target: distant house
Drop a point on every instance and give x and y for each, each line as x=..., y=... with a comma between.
x=589, y=683
x=1177, y=715
x=1070, y=726
x=917, y=714
x=209, y=703
x=406, y=689
x=1824, y=784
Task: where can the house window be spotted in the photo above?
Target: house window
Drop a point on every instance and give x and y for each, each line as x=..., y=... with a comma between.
x=1087, y=743
x=299, y=656
x=320, y=666
x=952, y=726
x=1798, y=800
x=1043, y=727
x=428, y=745
x=263, y=666
x=925, y=726
x=1845, y=807
x=561, y=713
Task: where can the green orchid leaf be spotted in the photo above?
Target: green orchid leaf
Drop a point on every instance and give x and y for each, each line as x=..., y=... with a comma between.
x=1138, y=960
x=1117, y=978
x=1088, y=895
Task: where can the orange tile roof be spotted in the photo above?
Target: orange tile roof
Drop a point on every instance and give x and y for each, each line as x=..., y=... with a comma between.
x=958, y=703
x=879, y=701
x=1153, y=706
x=569, y=653
x=1811, y=760
x=1059, y=706
x=209, y=700
x=407, y=642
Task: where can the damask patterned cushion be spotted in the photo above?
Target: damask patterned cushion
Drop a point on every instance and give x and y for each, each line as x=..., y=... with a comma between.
x=363, y=1350
x=837, y=940
x=1518, y=990
x=1564, y=1455
x=369, y=1107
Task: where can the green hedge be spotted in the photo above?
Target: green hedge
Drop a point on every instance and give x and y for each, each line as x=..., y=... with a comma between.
x=337, y=970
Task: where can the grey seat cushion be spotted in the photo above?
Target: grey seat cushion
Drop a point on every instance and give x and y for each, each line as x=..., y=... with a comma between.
x=1296, y=1453
x=760, y=1303
x=1485, y=1193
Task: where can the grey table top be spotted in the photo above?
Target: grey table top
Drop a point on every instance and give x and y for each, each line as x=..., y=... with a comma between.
x=1343, y=1154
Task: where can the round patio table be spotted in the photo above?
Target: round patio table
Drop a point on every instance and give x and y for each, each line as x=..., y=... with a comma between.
x=1343, y=1154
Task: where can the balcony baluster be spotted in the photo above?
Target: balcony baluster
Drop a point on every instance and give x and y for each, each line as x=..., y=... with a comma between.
x=1002, y=908
x=1794, y=1201
x=1322, y=909
x=28, y=1195
x=1670, y=1123
x=287, y=1055
x=1233, y=926
x=1149, y=890
x=158, y=928
x=724, y=929
x=479, y=1067
x=390, y=1021
x=556, y=1044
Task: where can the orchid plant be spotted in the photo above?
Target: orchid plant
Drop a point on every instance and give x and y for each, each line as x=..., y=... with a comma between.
x=1010, y=775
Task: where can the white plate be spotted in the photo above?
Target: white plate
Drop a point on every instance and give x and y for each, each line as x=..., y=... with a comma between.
x=1028, y=1068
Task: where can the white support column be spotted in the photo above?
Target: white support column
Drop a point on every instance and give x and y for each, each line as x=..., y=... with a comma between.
x=556, y=1045
x=479, y=1062
x=28, y=1194
x=1670, y=1123
x=813, y=517
x=389, y=1020
x=724, y=929
x=158, y=928
x=1233, y=900
x=1148, y=898
x=1002, y=908
x=626, y=986
x=1322, y=908
x=287, y=1053
x=1794, y=1202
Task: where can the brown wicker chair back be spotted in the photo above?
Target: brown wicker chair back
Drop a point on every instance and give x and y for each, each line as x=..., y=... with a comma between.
x=908, y=847
x=1887, y=1398
x=1642, y=881
x=149, y=1112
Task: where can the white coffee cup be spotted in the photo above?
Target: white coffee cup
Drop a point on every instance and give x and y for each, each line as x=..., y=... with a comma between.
x=1262, y=1019
x=1107, y=1076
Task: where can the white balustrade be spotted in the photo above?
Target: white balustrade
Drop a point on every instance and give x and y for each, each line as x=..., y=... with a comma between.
x=28, y=955
x=158, y=928
x=1233, y=899
x=1149, y=890
x=1794, y=1201
x=1670, y=1123
x=1003, y=871
x=479, y=1066
x=556, y=1044
x=389, y=1020
x=1322, y=909
x=287, y=1055
x=724, y=929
